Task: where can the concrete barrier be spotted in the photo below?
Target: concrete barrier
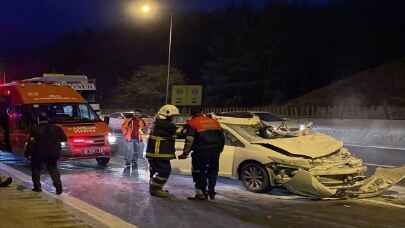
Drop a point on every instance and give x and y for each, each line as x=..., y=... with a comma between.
x=365, y=132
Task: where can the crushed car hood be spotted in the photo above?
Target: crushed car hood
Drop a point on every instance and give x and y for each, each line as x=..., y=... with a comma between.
x=314, y=145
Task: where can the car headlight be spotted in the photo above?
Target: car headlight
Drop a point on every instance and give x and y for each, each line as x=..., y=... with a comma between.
x=63, y=144
x=302, y=127
x=112, y=139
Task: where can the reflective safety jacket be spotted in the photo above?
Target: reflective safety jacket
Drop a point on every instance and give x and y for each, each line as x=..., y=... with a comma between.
x=132, y=128
x=203, y=134
x=162, y=140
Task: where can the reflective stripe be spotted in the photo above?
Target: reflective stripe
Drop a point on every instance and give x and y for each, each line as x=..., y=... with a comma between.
x=157, y=146
x=153, y=183
x=161, y=178
x=160, y=155
x=158, y=138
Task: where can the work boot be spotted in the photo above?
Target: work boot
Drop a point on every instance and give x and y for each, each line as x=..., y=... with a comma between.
x=7, y=182
x=158, y=192
x=37, y=190
x=211, y=195
x=199, y=195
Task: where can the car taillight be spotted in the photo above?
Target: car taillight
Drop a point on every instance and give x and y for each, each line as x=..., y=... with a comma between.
x=78, y=140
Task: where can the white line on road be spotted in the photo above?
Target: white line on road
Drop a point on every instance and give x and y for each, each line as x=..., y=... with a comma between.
x=378, y=165
x=93, y=212
x=373, y=201
x=377, y=147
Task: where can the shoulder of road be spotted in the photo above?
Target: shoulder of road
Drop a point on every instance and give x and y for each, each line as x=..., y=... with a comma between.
x=20, y=207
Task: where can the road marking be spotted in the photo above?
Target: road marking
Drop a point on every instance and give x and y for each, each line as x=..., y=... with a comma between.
x=95, y=213
x=377, y=147
x=378, y=165
x=383, y=203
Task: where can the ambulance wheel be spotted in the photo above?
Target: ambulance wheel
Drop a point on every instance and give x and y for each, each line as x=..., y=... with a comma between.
x=102, y=161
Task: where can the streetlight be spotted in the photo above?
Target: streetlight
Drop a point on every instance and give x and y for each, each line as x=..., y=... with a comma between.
x=147, y=9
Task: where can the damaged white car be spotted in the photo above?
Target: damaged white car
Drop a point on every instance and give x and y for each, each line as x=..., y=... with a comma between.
x=305, y=162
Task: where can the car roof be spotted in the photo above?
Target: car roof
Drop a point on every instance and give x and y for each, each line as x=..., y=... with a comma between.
x=226, y=119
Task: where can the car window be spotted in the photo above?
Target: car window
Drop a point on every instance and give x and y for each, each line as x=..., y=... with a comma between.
x=231, y=140
x=115, y=115
x=128, y=115
x=268, y=117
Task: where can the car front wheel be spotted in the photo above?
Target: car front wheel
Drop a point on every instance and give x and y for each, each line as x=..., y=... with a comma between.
x=102, y=161
x=255, y=177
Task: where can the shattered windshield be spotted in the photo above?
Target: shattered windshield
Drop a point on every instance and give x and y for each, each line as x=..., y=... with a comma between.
x=249, y=132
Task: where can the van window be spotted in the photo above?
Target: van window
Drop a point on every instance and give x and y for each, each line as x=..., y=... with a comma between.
x=59, y=113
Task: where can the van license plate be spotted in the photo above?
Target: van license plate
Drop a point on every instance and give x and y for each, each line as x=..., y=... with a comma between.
x=92, y=151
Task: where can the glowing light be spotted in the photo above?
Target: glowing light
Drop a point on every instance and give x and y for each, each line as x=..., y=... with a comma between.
x=146, y=8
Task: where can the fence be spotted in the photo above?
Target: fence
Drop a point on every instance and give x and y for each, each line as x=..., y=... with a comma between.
x=328, y=112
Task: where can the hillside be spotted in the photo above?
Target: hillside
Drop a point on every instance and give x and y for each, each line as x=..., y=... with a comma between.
x=376, y=86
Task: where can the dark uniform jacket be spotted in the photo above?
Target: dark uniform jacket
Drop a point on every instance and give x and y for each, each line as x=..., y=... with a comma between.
x=205, y=134
x=45, y=142
x=162, y=140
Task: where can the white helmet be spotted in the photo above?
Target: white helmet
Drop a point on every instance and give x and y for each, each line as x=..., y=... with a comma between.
x=167, y=111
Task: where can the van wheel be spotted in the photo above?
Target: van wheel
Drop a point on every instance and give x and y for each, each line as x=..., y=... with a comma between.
x=255, y=177
x=103, y=161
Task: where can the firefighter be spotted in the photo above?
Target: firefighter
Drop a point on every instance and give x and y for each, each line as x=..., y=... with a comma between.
x=132, y=129
x=205, y=138
x=44, y=147
x=161, y=149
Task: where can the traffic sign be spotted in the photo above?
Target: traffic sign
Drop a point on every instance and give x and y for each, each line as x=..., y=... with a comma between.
x=187, y=95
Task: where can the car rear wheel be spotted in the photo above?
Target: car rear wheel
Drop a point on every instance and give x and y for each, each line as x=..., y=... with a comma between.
x=255, y=177
x=102, y=161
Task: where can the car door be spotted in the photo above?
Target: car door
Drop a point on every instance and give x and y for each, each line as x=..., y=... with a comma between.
x=226, y=161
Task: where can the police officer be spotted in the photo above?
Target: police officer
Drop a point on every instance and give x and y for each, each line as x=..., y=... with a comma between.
x=204, y=136
x=44, y=147
x=161, y=149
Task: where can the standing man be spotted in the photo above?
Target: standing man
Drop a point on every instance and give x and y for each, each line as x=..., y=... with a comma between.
x=44, y=147
x=204, y=136
x=132, y=129
x=161, y=149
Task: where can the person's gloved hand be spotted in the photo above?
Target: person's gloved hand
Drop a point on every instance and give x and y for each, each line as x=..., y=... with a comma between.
x=182, y=156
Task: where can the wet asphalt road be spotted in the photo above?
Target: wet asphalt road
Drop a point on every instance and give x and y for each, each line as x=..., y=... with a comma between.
x=124, y=193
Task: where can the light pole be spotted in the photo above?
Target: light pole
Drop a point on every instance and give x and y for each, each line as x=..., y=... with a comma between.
x=169, y=59
x=146, y=8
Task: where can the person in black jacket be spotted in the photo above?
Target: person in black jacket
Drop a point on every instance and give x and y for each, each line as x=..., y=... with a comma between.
x=44, y=148
x=206, y=140
x=161, y=149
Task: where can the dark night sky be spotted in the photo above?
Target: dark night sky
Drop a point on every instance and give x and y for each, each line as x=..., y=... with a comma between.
x=27, y=23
